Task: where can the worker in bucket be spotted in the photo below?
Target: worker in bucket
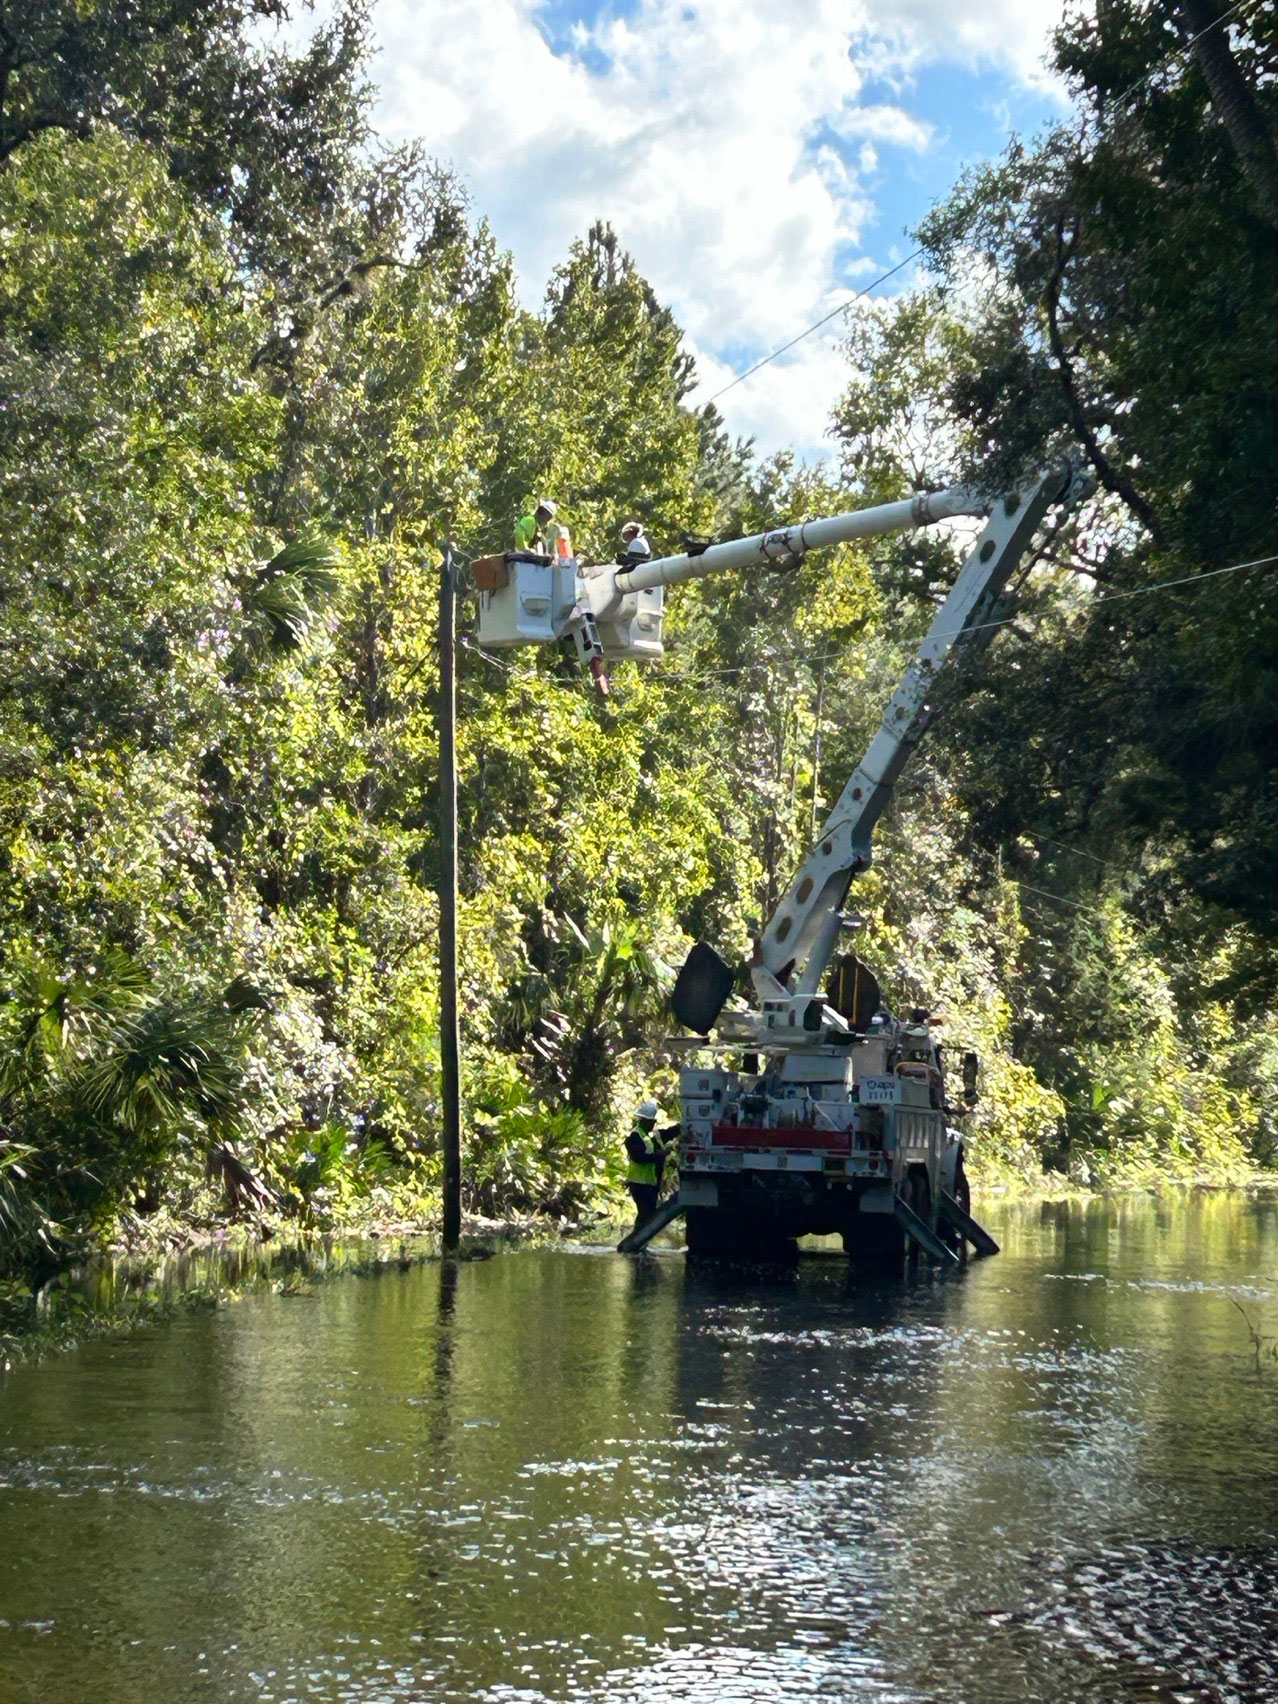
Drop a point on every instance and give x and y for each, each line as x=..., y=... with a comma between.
x=646, y=1159
x=531, y=528
x=558, y=541
x=635, y=547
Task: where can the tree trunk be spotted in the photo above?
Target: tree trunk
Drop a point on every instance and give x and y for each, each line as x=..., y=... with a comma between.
x=1235, y=103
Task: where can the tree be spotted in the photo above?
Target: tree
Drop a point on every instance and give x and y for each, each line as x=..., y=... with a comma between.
x=1129, y=284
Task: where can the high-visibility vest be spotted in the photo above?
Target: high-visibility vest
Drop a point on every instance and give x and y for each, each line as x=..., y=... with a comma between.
x=643, y=1171
x=558, y=540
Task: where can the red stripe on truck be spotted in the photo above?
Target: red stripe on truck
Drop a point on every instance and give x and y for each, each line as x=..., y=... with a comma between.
x=803, y=1138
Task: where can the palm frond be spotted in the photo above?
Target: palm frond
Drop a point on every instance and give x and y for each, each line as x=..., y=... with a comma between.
x=165, y=1064
x=26, y=1225
x=288, y=594
x=56, y=1014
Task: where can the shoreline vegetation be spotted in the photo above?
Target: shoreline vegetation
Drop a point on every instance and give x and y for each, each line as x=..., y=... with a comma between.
x=256, y=367
x=157, y=1278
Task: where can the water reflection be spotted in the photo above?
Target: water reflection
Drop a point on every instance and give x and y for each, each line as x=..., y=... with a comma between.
x=568, y=1476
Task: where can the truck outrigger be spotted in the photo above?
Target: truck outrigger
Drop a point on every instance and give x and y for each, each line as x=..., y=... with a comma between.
x=837, y=1117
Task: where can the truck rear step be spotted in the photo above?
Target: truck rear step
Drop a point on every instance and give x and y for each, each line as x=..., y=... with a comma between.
x=642, y=1235
x=966, y=1225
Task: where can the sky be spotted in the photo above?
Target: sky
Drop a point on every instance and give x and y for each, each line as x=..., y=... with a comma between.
x=761, y=159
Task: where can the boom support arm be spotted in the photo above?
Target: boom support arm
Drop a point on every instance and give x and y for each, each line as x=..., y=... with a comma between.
x=604, y=588
x=801, y=935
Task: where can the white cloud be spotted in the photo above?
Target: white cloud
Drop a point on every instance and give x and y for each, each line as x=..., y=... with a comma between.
x=1002, y=33
x=727, y=141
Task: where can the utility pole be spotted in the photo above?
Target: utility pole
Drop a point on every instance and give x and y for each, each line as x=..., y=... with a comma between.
x=449, y=1035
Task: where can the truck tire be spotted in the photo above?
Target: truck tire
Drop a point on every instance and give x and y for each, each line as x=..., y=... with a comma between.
x=874, y=1239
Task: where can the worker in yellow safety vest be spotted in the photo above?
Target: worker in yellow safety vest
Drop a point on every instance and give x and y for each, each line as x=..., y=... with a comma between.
x=542, y=533
x=646, y=1159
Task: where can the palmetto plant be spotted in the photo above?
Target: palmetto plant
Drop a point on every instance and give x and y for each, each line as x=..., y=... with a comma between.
x=24, y=1220
x=285, y=596
x=615, y=984
x=100, y=1082
x=527, y=1157
x=58, y=1016
x=156, y=1066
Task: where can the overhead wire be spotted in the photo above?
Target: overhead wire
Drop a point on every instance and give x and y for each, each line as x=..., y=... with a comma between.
x=978, y=627
x=826, y=656
x=1077, y=851
x=1173, y=54
x=856, y=296
x=1045, y=893
x=1182, y=48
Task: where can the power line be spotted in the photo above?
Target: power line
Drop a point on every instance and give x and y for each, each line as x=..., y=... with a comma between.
x=1177, y=52
x=816, y=325
x=1075, y=851
x=1186, y=580
x=978, y=627
x=523, y=677
x=1046, y=893
x=1182, y=48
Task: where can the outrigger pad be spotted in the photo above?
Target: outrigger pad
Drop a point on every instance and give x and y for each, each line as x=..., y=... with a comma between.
x=701, y=988
x=642, y=1235
x=854, y=991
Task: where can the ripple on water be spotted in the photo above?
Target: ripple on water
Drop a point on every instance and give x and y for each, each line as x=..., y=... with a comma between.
x=1206, y=1618
x=1050, y=1478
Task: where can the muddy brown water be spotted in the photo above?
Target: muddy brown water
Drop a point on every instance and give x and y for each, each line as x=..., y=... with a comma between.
x=562, y=1475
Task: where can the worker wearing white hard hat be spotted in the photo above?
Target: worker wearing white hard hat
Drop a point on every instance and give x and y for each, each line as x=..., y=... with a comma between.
x=533, y=529
x=645, y=1161
x=635, y=545
x=555, y=533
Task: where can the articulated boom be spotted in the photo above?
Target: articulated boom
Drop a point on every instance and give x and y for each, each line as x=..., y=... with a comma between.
x=795, y=949
x=836, y=1121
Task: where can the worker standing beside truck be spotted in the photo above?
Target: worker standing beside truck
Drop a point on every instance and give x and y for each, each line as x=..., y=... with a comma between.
x=645, y=1157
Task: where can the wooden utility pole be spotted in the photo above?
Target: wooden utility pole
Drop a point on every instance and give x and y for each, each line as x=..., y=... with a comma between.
x=449, y=1036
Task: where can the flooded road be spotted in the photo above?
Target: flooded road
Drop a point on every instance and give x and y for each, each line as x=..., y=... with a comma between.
x=564, y=1475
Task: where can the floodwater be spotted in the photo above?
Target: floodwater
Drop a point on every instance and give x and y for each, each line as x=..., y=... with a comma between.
x=565, y=1475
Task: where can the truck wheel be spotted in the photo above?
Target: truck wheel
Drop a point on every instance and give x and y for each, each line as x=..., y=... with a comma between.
x=708, y=1230
x=874, y=1239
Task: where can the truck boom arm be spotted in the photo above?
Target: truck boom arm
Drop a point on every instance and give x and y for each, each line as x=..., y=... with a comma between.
x=605, y=587
x=613, y=611
x=800, y=937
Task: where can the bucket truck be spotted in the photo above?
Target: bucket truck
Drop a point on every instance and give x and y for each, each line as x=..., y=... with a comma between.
x=836, y=1117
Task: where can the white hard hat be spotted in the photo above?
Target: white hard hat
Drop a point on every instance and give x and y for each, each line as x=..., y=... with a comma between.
x=648, y=1109
x=548, y=506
